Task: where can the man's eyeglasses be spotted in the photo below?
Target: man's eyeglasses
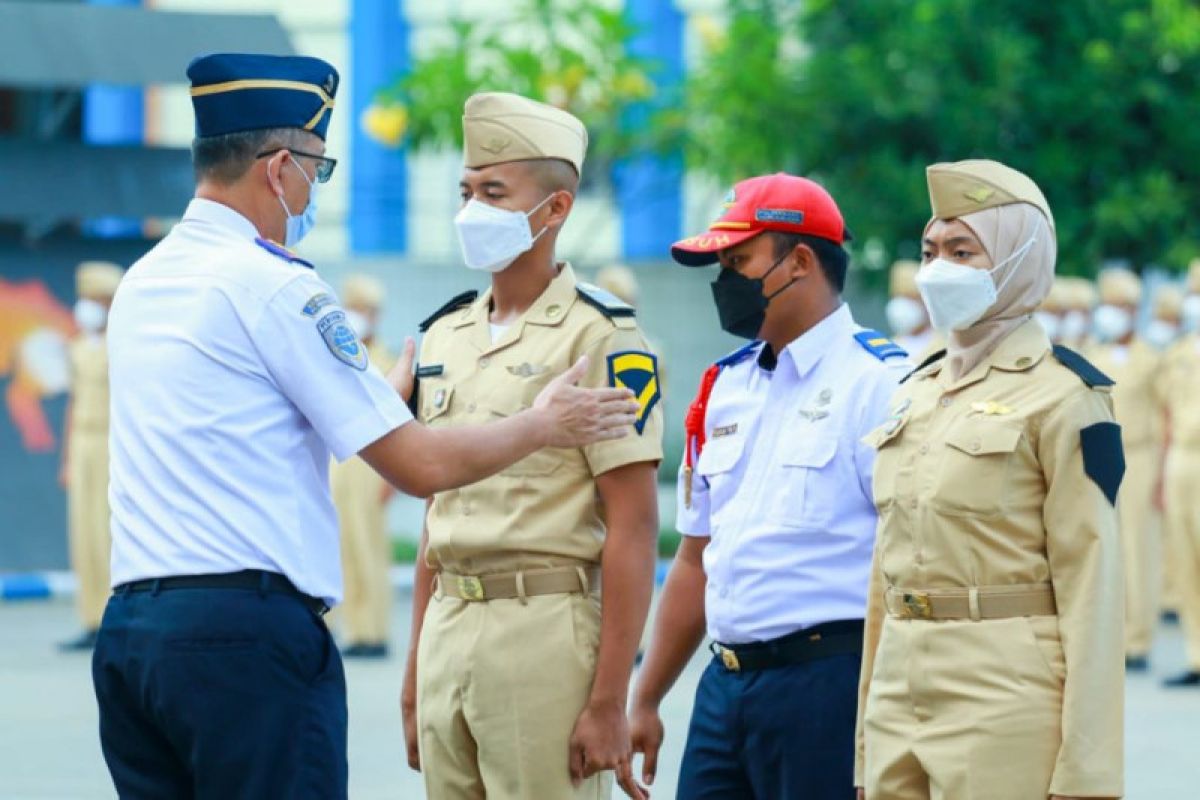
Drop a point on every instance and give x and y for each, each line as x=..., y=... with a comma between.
x=324, y=165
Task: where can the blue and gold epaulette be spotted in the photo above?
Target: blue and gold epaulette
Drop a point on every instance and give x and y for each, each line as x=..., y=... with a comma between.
x=608, y=303
x=879, y=345
x=1086, y=370
x=739, y=355
x=455, y=303
x=276, y=249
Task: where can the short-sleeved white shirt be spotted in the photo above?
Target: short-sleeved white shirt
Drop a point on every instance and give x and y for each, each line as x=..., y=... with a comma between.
x=233, y=378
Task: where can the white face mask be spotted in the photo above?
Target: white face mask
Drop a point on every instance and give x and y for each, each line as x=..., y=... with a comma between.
x=491, y=238
x=360, y=323
x=1112, y=323
x=957, y=296
x=905, y=315
x=1191, y=313
x=1074, y=326
x=1050, y=323
x=1160, y=333
x=90, y=316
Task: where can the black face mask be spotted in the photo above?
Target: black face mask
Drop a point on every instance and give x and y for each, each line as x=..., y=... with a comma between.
x=741, y=305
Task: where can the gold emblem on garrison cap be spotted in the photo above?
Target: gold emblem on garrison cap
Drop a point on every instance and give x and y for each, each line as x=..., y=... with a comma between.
x=964, y=187
x=499, y=127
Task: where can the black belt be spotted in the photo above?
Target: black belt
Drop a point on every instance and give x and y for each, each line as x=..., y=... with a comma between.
x=253, y=579
x=828, y=639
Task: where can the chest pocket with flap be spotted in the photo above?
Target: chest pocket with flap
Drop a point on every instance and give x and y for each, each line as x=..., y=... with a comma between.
x=513, y=398
x=801, y=502
x=974, y=477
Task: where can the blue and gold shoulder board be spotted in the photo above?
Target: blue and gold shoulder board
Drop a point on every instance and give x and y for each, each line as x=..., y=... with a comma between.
x=637, y=371
x=879, y=345
x=608, y=303
x=738, y=356
x=276, y=249
x=455, y=303
x=1087, y=372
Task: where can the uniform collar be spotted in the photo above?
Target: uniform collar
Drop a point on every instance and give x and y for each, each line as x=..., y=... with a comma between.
x=1020, y=351
x=221, y=215
x=550, y=309
x=807, y=349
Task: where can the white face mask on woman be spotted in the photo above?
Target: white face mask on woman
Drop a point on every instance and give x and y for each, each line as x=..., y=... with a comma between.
x=491, y=238
x=957, y=296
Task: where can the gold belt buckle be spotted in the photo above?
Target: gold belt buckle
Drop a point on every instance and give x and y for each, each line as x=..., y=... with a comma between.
x=730, y=660
x=470, y=588
x=918, y=605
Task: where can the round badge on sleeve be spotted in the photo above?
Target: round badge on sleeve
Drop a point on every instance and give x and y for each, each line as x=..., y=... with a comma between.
x=341, y=340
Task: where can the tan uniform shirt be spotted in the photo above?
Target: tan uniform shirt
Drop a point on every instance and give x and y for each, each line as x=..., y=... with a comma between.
x=89, y=385
x=1136, y=397
x=980, y=482
x=1180, y=387
x=544, y=510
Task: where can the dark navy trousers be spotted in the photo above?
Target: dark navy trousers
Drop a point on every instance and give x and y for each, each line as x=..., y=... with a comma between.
x=774, y=734
x=220, y=693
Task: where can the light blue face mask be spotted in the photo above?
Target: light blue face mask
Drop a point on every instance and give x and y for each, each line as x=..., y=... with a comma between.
x=298, y=225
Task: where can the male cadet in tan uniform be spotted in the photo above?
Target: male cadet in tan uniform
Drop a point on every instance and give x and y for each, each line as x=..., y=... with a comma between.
x=360, y=496
x=1119, y=353
x=1052, y=310
x=85, y=447
x=1181, y=387
x=521, y=673
x=906, y=314
x=1080, y=299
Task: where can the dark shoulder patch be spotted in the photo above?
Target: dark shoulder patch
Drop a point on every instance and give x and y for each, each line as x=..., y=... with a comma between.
x=608, y=303
x=879, y=345
x=1086, y=371
x=931, y=358
x=1103, y=456
x=738, y=356
x=456, y=302
x=279, y=251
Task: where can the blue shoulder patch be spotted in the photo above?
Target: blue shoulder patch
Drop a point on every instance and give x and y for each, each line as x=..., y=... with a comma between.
x=276, y=249
x=637, y=371
x=739, y=355
x=879, y=345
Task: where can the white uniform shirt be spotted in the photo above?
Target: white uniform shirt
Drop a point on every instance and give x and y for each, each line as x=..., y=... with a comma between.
x=783, y=484
x=233, y=379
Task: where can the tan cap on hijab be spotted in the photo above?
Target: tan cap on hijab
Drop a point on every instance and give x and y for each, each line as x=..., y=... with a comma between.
x=964, y=187
x=499, y=127
x=1119, y=286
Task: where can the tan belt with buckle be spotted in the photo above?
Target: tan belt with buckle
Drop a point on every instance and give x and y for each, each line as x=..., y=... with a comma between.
x=527, y=583
x=975, y=603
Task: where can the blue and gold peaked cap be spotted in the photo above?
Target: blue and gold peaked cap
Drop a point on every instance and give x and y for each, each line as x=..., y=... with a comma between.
x=234, y=92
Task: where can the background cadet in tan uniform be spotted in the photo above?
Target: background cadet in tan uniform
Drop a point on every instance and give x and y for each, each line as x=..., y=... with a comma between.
x=521, y=673
x=906, y=314
x=85, y=447
x=1134, y=365
x=1166, y=318
x=1052, y=310
x=1080, y=299
x=1181, y=388
x=993, y=659
x=360, y=496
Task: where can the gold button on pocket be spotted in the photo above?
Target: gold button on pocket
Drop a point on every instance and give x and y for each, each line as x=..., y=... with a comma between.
x=974, y=478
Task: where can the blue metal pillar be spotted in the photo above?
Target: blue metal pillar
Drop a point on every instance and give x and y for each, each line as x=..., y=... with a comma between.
x=379, y=53
x=650, y=186
x=113, y=115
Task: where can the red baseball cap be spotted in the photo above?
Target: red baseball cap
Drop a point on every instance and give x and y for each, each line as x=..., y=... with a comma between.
x=778, y=202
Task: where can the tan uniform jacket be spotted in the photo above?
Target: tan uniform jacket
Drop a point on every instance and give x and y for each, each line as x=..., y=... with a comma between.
x=544, y=510
x=89, y=386
x=981, y=483
x=1180, y=389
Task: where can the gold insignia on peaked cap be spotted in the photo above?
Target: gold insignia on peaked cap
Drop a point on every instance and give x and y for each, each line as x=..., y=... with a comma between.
x=964, y=187
x=902, y=280
x=499, y=127
x=97, y=279
x=1119, y=286
x=363, y=291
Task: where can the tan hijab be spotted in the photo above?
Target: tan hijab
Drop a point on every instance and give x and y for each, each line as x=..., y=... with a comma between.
x=1023, y=282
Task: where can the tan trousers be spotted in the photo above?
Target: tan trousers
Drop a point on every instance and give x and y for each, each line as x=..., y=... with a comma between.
x=364, y=614
x=1141, y=547
x=89, y=540
x=1183, y=507
x=964, y=710
x=500, y=686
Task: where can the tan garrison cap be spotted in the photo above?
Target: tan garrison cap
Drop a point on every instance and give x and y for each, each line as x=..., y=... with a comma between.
x=1168, y=303
x=964, y=187
x=1120, y=286
x=902, y=280
x=362, y=291
x=499, y=127
x=97, y=279
x=1193, y=278
x=1059, y=298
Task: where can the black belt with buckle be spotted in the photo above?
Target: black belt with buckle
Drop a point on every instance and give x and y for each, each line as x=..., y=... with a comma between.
x=828, y=639
x=253, y=579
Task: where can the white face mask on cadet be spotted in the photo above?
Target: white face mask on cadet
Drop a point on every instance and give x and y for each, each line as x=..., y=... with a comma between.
x=1074, y=326
x=1160, y=333
x=904, y=315
x=957, y=296
x=90, y=316
x=1112, y=323
x=491, y=238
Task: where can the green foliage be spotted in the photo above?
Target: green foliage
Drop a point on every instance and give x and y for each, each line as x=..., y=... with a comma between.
x=1097, y=100
x=570, y=53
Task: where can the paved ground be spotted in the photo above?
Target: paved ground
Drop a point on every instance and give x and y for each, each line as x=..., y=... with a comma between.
x=49, y=748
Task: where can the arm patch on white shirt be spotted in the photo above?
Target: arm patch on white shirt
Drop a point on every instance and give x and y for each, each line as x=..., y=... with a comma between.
x=341, y=340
